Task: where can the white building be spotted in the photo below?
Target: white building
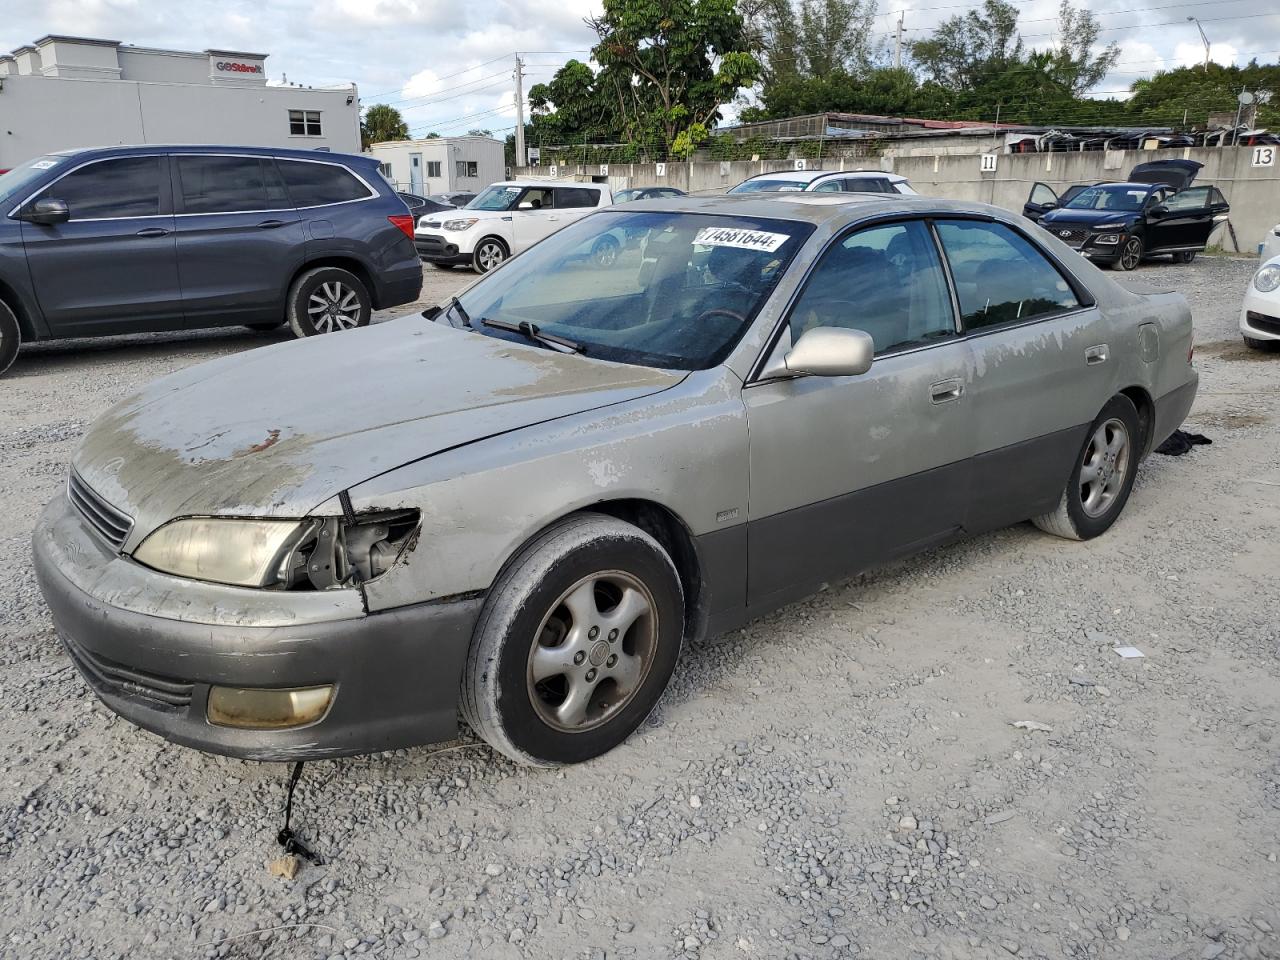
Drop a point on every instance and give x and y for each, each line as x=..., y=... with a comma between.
x=64, y=92
x=441, y=164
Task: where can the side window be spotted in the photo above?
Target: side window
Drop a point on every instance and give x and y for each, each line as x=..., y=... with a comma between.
x=1000, y=276
x=567, y=197
x=229, y=184
x=317, y=184
x=868, y=185
x=1042, y=195
x=829, y=186
x=535, y=198
x=1189, y=201
x=113, y=189
x=887, y=281
x=467, y=168
x=304, y=123
x=433, y=168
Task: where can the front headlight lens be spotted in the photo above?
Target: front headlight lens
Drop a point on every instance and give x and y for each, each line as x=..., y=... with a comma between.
x=244, y=553
x=1268, y=278
x=1110, y=239
x=461, y=224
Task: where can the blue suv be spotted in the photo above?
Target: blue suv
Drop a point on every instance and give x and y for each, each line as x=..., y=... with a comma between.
x=133, y=239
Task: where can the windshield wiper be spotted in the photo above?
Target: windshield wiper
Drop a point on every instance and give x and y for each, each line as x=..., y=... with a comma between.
x=456, y=306
x=530, y=331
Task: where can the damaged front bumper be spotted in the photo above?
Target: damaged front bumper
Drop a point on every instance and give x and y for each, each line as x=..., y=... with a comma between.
x=152, y=646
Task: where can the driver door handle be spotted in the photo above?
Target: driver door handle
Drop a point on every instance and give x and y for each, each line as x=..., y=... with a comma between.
x=153, y=232
x=272, y=224
x=945, y=391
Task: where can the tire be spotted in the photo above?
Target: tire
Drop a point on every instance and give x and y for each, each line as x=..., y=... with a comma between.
x=588, y=561
x=1253, y=343
x=443, y=266
x=265, y=327
x=1083, y=516
x=328, y=299
x=1130, y=254
x=604, y=253
x=490, y=253
x=1184, y=256
x=10, y=337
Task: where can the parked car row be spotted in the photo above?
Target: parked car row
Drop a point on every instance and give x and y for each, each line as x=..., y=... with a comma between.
x=131, y=239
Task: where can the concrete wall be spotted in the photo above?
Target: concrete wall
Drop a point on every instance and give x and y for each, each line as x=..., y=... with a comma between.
x=39, y=115
x=1253, y=192
x=485, y=152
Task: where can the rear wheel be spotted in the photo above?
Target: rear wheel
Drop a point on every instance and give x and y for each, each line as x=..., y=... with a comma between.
x=576, y=642
x=1185, y=256
x=605, y=251
x=1253, y=343
x=1102, y=477
x=10, y=337
x=328, y=299
x=1130, y=254
x=490, y=253
x=443, y=266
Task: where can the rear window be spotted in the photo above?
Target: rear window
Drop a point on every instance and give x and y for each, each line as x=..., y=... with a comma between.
x=316, y=184
x=567, y=197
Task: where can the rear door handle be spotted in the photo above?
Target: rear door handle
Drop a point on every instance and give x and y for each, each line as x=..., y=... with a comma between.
x=945, y=391
x=153, y=232
x=272, y=224
x=1096, y=354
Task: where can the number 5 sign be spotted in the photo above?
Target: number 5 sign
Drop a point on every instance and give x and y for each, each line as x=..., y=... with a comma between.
x=1263, y=157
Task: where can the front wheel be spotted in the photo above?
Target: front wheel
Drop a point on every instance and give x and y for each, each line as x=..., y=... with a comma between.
x=1102, y=477
x=576, y=642
x=490, y=254
x=605, y=251
x=1130, y=254
x=1184, y=256
x=10, y=337
x=1253, y=343
x=328, y=299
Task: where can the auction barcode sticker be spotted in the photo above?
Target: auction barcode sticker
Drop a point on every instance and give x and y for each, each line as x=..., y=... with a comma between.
x=746, y=239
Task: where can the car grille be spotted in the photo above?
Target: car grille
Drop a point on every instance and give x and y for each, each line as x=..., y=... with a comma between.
x=1261, y=321
x=111, y=524
x=1072, y=235
x=160, y=693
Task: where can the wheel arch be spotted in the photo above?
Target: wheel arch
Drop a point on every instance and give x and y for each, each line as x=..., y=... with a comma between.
x=502, y=241
x=1141, y=399
x=350, y=264
x=26, y=323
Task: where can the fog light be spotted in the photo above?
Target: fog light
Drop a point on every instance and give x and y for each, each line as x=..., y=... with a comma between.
x=267, y=709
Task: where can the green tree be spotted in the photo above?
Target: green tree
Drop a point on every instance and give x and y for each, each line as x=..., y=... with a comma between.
x=671, y=64
x=968, y=50
x=1073, y=62
x=574, y=106
x=382, y=123
x=835, y=36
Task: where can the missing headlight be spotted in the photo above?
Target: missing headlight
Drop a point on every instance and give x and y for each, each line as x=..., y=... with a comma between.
x=340, y=553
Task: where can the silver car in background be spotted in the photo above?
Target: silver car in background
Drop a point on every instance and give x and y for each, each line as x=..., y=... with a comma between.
x=518, y=506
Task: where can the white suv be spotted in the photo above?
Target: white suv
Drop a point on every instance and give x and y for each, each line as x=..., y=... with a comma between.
x=504, y=219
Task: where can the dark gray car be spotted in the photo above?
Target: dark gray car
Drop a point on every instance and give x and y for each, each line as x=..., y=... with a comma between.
x=133, y=239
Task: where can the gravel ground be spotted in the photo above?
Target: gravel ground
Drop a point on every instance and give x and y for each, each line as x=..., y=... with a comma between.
x=839, y=779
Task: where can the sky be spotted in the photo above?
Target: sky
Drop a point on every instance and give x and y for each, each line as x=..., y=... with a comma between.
x=447, y=66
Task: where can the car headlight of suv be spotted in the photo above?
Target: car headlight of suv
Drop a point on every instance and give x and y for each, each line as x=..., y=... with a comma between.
x=313, y=554
x=1268, y=278
x=465, y=224
x=1110, y=239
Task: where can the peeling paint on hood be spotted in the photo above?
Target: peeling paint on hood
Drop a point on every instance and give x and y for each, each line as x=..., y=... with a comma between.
x=279, y=430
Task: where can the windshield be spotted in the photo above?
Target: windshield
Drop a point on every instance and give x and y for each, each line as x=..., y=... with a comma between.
x=495, y=198
x=669, y=290
x=772, y=186
x=1108, y=198
x=622, y=196
x=13, y=182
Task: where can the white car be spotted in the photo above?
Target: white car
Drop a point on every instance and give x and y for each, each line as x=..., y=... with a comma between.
x=827, y=181
x=1271, y=245
x=504, y=219
x=1260, y=312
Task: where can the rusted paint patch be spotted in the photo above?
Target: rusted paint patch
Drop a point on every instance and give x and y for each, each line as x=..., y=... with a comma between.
x=272, y=438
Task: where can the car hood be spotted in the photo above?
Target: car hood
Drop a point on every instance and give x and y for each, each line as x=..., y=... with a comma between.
x=436, y=217
x=279, y=430
x=1087, y=218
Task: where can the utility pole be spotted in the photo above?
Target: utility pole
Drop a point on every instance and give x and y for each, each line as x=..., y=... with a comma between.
x=519, y=111
x=1204, y=40
x=897, y=41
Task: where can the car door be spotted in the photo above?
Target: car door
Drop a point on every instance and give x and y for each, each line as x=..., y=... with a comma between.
x=850, y=471
x=533, y=217
x=113, y=266
x=240, y=240
x=1040, y=201
x=1186, y=219
x=1042, y=358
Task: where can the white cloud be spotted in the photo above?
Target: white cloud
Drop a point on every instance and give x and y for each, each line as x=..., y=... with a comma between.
x=1192, y=54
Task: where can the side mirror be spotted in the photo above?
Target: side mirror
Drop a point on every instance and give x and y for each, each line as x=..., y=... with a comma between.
x=1049, y=205
x=47, y=212
x=828, y=352
x=1159, y=210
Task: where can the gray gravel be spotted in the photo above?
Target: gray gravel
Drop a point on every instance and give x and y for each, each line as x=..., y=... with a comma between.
x=839, y=779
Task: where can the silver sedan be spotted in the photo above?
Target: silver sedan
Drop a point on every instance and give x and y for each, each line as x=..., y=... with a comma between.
x=517, y=506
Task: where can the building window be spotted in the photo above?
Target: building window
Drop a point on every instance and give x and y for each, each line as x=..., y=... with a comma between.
x=433, y=168
x=385, y=170
x=304, y=123
x=468, y=168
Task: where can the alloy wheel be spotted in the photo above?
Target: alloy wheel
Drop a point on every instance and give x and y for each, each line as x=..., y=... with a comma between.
x=1131, y=255
x=1105, y=467
x=333, y=306
x=592, y=651
x=490, y=255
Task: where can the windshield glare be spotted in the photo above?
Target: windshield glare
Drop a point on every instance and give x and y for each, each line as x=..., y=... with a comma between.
x=669, y=290
x=12, y=183
x=1108, y=198
x=495, y=198
x=771, y=186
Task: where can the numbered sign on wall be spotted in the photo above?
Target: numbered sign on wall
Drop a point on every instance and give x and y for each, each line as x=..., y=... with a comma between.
x=988, y=163
x=1263, y=156
x=659, y=169
x=604, y=169
x=554, y=170
x=800, y=164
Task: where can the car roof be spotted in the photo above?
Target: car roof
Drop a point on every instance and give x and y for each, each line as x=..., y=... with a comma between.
x=837, y=209
x=1127, y=184
x=289, y=153
x=548, y=184
x=809, y=176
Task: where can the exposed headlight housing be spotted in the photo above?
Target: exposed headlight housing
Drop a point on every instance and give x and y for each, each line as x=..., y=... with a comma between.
x=466, y=224
x=1110, y=239
x=1267, y=279
x=313, y=554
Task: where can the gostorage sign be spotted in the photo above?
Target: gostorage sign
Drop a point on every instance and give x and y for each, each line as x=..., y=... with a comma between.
x=234, y=66
x=237, y=67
